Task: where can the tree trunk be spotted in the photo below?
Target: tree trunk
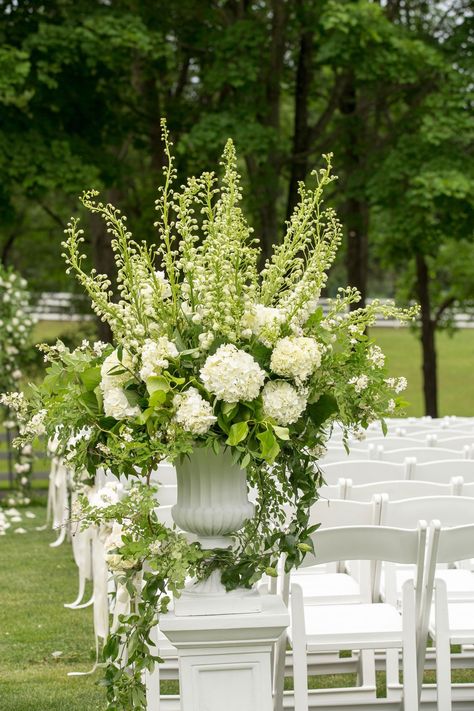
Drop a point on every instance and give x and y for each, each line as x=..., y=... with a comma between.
x=428, y=329
x=355, y=209
x=299, y=162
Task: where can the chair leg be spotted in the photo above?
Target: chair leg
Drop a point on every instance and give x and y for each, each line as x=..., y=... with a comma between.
x=443, y=649
x=279, y=673
x=410, y=676
x=366, y=671
x=300, y=661
x=393, y=673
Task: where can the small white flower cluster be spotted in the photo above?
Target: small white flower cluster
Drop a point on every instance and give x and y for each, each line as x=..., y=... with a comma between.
x=232, y=375
x=376, y=357
x=116, y=372
x=107, y=495
x=296, y=357
x=112, y=544
x=360, y=383
x=398, y=384
x=283, y=402
x=15, y=327
x=193, y=413
x=263, y=322
x=155, y=356
x=35, y=427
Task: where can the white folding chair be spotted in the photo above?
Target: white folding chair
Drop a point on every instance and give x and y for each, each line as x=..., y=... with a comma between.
x=367, y=625
x=397, y=442
x=400, y=489
x=443, y=471
x=338, y=453
x=421, y=454
x=459, y=442
x=450, y=622
x=362, y=471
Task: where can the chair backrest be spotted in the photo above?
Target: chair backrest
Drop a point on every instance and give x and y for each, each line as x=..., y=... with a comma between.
x=393, y=442
x=362, y=471
x=399, y=489
x=338, y=453
x=333, y=491
x=464, y=489
x=450, y=510
x=444, y=470
x=165, y=474
x=458, y=442
x=167, y=495
x=455, y=543
x=421, y=454
x=378, y=543
x=340, y=512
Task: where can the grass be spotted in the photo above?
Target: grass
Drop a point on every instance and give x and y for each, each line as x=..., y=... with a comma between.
x=455, y=364
x=36, y=581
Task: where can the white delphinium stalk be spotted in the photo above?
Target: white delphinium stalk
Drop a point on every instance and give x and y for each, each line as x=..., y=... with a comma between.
x=193, y=413
x=263, y=322
x=232, y=375
x=296, y=357
x=283, y=402
x=155, y=356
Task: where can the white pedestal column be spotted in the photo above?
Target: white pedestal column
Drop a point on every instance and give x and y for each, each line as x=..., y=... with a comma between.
x=225, y=660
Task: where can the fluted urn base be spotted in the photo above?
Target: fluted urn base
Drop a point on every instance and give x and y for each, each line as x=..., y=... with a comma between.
x=213, y=504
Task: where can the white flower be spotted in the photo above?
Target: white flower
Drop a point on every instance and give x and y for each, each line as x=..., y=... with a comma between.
x=17, y=374
x=116, y=372
x=232, y=375
x=360, y=383
x=114, y=539
x=296, y=357
x=205, y=340
x=391, y=405
x=193, y=413
x=282, y=402
x=108, y=495
x=264, y=322
x=117, y=406
x=164, y=284
x=36, y=425
x=398, y=384
x=155, y=356
x=376, y=357
x=117, y=562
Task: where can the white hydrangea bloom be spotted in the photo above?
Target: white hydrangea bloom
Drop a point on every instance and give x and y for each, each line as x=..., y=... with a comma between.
x=296, y=357
x=282, y=402
x=193, y=413
x=232, y=375
x=110, y=379
x=360, y=383
x=263, y=322
x=155, y=356
x=117, y=406
x=376, y=357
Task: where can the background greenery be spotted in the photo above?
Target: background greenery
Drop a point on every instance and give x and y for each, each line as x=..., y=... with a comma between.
x=386, y=86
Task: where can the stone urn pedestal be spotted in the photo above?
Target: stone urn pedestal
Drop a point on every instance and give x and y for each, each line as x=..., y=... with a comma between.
x=224, y=639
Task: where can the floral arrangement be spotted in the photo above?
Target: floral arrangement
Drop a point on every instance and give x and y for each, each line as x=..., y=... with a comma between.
x=211, y=352
x=15, y=331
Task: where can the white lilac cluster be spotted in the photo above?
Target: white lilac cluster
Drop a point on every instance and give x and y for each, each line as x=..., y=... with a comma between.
x=359, y=382
x=156, y=355
x=263, y=322
x=296, y=357
x=283, y=402
x=232, y=375
x=193, y=413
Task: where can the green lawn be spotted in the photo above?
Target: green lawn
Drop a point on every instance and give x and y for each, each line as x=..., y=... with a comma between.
x=455, y=363
x=35, y=582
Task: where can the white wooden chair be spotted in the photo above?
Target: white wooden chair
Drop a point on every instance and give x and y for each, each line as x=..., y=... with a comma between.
x=364, y=625
x=421, y=454
x=450, y=623
x=459, y=442
x=338, y=453
x=396, y=442
x=363, y=471
x=443, y=471
x=397, y=489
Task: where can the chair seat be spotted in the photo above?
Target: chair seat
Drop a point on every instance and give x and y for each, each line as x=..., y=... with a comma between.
x=461, y=622
x=356, y=626
x=322, y=588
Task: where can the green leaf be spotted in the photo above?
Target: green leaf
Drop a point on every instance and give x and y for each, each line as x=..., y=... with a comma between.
x=322, y=410
x=229, y=409
x=157, y=398
x=269, y=447
x=237, y=433
x=89, y=400
x=157, y=382
x=91, y=378
x=281, y=432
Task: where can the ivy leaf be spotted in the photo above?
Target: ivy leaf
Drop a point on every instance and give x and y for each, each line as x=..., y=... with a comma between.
x=322, y=410
x=91, y=378
x=157, y=398
x=269, y=447
x=237, y=433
